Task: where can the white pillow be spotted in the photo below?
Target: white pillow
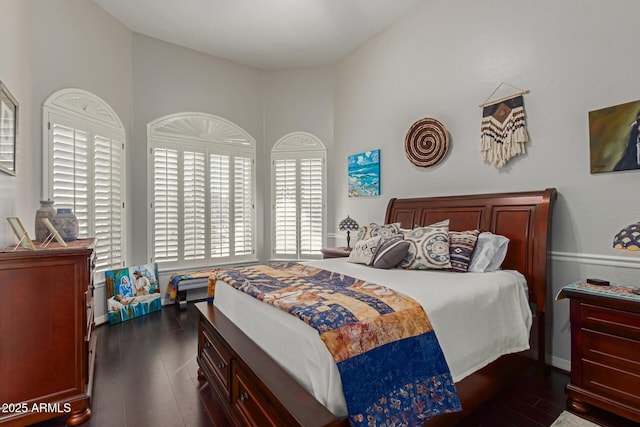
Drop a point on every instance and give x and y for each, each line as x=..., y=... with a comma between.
x=489, y=253
x=364, y=250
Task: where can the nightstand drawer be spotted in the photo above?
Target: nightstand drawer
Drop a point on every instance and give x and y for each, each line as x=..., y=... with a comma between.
x=615, y=383
x=611, y=350
x=610, y=320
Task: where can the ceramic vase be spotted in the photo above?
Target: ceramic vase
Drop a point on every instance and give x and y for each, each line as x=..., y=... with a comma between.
x=66, y=223
x=46, y=210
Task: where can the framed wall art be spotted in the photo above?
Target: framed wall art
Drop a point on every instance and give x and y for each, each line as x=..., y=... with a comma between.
x=614, y=138
x=8, y=130
x=364, y=174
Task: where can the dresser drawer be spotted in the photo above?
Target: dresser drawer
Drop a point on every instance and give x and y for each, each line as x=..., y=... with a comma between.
x=620, y=322
x=612, y=350
x=610, y=381
x=216, y=358
x=250, y=403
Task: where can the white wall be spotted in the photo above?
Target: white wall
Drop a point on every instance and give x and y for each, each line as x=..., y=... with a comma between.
x=296, y=100
x=444, y=60
x=15, y=73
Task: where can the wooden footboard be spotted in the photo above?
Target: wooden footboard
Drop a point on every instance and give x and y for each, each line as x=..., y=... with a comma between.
x=246, y=384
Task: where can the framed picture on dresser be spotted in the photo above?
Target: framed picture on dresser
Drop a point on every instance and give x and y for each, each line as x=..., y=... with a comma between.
x=21, y=233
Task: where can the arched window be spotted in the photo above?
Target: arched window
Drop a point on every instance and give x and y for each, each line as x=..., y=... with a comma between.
x=202, y=191
x=84, y=168
x=298, y=191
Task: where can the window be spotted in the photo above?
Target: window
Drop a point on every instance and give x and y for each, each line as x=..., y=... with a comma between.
x=84, y=169
x=298, y=182
x=202, y=207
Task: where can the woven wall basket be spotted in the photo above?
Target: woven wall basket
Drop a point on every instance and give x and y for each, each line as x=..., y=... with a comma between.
x=426, y=143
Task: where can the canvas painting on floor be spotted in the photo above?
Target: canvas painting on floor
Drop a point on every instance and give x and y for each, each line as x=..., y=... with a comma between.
x=614, y=138
x=132, y=292
x=364, y=174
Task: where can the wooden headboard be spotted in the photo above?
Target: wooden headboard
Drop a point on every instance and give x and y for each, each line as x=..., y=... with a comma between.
x=525, y=218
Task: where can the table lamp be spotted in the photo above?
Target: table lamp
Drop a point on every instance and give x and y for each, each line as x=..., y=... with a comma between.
x=628, y=238
x=347, y=225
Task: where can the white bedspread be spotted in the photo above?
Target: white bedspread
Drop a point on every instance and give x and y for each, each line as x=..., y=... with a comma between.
x=477, y=318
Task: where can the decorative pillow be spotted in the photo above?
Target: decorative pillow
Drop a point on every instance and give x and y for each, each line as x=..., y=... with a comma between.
x=364, y=250
x=491, y=249
x=390, y=252
x=461, y=245
x=373, y=230
x=428, y=247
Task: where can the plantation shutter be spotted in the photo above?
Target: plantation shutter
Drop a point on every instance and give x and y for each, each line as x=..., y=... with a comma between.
x=204, y=193
x=285, y=206
x=298, y=191
x=165, y=204
x=311, y=205
x=220, y=216
x=194, y=205
x=108, y=199
x=70, y=169
x=243, y=205
x=84, y=169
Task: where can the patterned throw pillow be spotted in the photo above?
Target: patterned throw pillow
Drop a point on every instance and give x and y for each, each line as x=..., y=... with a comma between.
x=373, y=230
x=390, y=252
x=461, y=245
x=364, y=250
x=428, y=247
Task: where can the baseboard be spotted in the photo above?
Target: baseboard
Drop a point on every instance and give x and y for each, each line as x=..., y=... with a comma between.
x=562, y=364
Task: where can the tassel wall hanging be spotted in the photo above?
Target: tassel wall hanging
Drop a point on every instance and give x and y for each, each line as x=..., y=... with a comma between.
x=504, y=132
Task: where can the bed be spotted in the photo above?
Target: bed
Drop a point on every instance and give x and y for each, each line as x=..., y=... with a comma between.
x=245, y=384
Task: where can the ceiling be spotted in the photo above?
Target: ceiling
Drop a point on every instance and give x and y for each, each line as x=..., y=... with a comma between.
x=267, y=34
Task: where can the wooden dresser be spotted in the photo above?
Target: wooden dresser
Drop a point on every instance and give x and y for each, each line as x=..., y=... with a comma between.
x=605, y=354
x=47, y=348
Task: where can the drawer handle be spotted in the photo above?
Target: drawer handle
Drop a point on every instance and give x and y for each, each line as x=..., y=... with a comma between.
x=221, y=365
x=207, y=344
x=244, y=396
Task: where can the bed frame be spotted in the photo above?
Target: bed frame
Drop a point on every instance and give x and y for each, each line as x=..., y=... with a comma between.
x=242, y=385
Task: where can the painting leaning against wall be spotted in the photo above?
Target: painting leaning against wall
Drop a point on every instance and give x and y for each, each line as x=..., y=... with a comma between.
x=364, y=174
x=132, y=292
x=614, y=138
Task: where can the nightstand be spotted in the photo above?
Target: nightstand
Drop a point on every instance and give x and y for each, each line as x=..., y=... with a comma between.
x=605, y=352
x=338, y=252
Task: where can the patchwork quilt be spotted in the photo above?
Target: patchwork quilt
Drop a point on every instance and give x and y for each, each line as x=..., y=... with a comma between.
x=391, y=365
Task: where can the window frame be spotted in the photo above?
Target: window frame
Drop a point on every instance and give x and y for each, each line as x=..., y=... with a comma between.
x=298, y=146
x=84, y=110
x=163, y=133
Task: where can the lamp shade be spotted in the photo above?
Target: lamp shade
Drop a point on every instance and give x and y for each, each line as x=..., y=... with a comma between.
x=348, y=224
x=628, y=238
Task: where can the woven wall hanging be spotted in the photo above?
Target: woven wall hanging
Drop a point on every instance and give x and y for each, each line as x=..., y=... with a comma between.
x=426, y=142
x=504, y=132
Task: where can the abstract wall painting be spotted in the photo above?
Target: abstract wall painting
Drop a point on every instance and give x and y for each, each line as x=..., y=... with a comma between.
x=364, y=174
x=614, y=138
x=132, y=292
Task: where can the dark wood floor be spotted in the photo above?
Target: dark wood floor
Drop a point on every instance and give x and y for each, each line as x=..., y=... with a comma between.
x=146, y=376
